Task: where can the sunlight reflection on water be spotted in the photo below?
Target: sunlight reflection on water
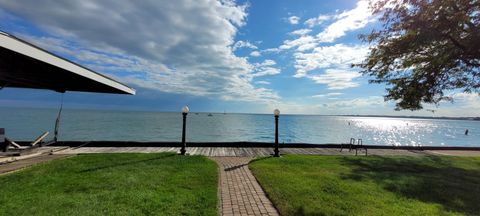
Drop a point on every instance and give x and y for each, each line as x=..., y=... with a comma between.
x=394, y=131
x=414, y=132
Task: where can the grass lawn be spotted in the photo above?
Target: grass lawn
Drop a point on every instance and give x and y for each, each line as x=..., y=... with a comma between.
x=373, y=185
x=113, y=184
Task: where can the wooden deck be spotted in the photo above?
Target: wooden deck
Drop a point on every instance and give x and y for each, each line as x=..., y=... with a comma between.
x=238, y=151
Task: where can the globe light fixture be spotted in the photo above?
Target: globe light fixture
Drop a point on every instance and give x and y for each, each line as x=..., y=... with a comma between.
x=185, y=111
x=276, y=152
x=276, y=112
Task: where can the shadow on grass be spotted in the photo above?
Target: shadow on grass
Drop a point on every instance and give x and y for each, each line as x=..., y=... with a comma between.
x=235, y=167
x=246, y=164
x=125, y=163
x=431, y=179
x=259, y=159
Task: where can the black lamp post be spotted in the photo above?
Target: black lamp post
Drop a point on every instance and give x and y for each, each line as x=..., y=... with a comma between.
x=276, y=113
x=184, y=144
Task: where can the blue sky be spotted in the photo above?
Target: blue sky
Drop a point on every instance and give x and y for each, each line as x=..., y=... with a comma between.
x=243, y=56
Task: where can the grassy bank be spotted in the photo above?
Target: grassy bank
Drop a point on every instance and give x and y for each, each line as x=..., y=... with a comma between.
x=113, y=184
x=338, y=185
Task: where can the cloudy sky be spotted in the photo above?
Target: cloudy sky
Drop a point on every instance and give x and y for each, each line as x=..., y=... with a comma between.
x=238, y=56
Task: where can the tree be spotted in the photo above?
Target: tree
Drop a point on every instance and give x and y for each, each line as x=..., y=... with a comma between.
x=425, y=49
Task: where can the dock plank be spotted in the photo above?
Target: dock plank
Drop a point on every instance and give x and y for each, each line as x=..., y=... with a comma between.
x=236, y=151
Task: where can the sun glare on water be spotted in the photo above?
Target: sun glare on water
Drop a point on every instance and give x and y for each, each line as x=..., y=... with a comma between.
x=394, y=131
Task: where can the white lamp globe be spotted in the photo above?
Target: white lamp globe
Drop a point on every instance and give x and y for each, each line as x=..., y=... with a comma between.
x=185, y=109
x=276, y=112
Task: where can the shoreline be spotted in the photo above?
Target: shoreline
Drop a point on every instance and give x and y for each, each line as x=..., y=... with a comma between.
x=240, y=144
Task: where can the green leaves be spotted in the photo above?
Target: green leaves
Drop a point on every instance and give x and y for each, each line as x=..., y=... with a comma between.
x=424, y=49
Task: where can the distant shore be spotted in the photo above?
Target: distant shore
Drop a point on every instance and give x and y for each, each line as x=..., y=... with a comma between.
x=107, y=109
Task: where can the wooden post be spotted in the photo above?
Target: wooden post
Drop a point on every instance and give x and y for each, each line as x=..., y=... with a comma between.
x=39, y=139
x=2, y=140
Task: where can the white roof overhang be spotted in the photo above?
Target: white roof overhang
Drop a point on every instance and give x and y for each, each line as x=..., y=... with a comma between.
x=24, y=65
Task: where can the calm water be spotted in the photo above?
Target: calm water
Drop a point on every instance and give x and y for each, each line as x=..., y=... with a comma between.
x=26, y=124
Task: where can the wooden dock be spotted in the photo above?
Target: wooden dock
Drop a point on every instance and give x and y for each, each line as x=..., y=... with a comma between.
x=239, y=151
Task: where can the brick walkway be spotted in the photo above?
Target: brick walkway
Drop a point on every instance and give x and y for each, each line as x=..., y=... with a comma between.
x=240, y=193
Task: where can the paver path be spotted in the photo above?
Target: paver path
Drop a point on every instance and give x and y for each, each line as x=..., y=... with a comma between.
x=240, y=193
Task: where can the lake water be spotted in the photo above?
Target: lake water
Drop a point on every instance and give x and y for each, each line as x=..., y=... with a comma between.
x=90, y=125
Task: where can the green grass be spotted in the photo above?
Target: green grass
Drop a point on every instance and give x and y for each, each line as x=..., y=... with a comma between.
x=373, y=185
x=113, y=184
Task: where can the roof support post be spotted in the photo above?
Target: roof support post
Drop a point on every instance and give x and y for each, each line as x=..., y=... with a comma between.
x=57, y=121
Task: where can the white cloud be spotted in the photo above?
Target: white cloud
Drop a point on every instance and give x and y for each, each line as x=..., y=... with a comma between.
x=336, y=79
x=306, y=47
x=243, y=44
x=349, y=20
x=271, y=50
x=171, y=46
x=464, y=104
x=264, y=71
x=359, y=105
x=317, y=20
x=293, y=20
x=469, y=101
x=289, y=44
x=266, y=62
x=336, y=56
x=371, y=101
x=255, y=53
x=301, y=32
x=262, y=82
x=341, y=23
x=327, y=95
x=266, y=68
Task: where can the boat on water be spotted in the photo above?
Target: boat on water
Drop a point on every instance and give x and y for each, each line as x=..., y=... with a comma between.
x=210, y=114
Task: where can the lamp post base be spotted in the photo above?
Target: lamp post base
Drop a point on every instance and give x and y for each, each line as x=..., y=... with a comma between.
x=276, y=153
x=182, y=151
